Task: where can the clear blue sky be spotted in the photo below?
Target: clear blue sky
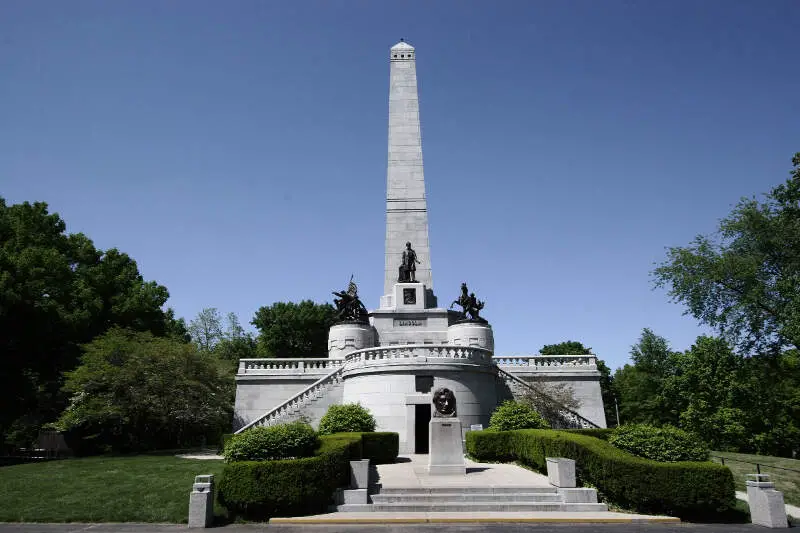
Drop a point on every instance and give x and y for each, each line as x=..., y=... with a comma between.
x=237, y=150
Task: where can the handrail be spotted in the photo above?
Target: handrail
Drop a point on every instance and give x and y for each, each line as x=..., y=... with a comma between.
x=407, y=351
x=304, y=365
x=547, y=361
x=282, y=408
x=583, y=422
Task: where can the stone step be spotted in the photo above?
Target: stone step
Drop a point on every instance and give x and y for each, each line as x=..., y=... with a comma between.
x=451, y=497
x=506, y=489
x=467, y=507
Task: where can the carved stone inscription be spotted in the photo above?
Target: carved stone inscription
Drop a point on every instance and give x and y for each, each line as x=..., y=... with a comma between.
x=410, y=322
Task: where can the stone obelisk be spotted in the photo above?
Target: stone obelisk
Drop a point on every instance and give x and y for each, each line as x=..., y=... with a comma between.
x=406, y=207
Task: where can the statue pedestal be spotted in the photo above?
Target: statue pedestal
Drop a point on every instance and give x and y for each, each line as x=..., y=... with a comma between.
x=445, y=448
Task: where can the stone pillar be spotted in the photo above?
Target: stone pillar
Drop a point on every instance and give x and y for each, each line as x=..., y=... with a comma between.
x=201, y=502
x=766, y=504
x=349, y=337
x=468, y=333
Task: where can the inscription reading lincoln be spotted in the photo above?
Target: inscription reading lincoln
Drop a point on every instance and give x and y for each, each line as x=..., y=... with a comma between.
x=410, y=322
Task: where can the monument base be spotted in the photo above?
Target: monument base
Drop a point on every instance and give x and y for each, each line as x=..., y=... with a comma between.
x=445, y=448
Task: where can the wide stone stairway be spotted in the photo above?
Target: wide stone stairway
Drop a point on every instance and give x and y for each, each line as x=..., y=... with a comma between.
x=404, y=492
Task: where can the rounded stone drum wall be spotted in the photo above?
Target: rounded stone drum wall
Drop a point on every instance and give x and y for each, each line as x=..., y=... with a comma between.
x=349, y=337
x=471, y=334
x=391, y=396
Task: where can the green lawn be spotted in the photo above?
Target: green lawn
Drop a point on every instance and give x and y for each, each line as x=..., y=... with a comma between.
x=785, y=481
x=140, y=488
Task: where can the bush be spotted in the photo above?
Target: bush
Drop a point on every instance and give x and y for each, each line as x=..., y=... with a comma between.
x=514, y=415
x=380, y=447
x=259, y=490
x=598, y=433
x=666, y=444
x=346, y=419
x=282, y=441
x=683, y=489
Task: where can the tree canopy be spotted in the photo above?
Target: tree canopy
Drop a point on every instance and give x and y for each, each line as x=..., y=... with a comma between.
x=288, y=329
x=133, y=391
x=744, y=281
x=57, y=291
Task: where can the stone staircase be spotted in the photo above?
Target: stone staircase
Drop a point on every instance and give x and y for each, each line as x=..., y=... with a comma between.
x=312, y=402
x=477, y=499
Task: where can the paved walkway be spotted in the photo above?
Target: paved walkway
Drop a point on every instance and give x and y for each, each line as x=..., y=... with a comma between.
x=412, y=471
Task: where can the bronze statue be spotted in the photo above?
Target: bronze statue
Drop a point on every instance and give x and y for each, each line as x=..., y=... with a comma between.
x=348, y=306
x=470, y=305
x=445, y=403
x=408, y=265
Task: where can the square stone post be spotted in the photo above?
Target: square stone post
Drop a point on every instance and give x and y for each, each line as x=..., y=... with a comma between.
x=766, y=503
x=201, y=502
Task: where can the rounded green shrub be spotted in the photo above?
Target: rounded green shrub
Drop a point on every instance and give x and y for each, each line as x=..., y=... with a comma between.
x=347, y=418
x=514, y=415
x=666, y=444
x=282, y=441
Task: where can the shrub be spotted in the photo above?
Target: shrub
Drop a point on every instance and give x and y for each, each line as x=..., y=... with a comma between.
x=380, y=447
x=259, y=490
x=667, y=443
x=282, y=441
x=514, y=415
x=345, y=419
x=599, y=433
x=684, y=489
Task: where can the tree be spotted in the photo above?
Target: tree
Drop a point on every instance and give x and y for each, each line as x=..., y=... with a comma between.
x=745, y=280
x=133, y=391
x=235, y=343
x=206, y=328
x=57, y=291
x=288, y=329
x=606, y=379
x=565, y=348
x=640, y=387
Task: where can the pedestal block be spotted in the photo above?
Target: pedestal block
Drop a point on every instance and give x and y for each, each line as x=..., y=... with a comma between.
x=766, y=503
x=349, y=337
x=469, y=333
x=445, y=448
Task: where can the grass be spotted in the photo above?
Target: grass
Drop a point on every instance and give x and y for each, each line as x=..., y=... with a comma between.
x=139, y=488
x=785, y=481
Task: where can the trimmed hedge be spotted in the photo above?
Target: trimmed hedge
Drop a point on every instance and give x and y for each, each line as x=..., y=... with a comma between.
x=268, y=443
x=380, y=447
x=599, y=433
x=257, y=490
x=684, y=489
x=349, y=417
x=666, y=443
x=512, y=415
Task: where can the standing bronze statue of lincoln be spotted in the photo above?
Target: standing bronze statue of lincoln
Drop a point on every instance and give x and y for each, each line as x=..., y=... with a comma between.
x=408, y=265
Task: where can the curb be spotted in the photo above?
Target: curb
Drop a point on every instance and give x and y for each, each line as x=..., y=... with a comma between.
x=450, y=520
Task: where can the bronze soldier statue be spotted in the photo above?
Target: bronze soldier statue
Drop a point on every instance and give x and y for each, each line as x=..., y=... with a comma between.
x=348, y=306
x=470, y=305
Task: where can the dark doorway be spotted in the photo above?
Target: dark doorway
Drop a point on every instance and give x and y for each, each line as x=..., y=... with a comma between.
x=422, y=416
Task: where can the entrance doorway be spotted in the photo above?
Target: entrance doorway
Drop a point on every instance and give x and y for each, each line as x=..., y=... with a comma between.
x=422, y=417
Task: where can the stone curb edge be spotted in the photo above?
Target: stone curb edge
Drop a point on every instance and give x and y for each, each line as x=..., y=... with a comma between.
x=400, y=520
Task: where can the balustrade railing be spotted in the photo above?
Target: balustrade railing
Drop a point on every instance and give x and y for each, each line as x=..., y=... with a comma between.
x=547, y=361
x=411, y=351
x=278, y=366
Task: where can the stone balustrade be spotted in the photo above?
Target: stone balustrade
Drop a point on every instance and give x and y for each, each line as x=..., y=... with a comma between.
x=397, y=353
x=288, y=366
x=548, y=362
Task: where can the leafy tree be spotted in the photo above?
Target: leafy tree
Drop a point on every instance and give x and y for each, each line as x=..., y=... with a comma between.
x=288, y=329
x=206, y=328
x=606, y=379
x=565, y=348
x=57, y=291
x=745, y=280
x=236, y=343
x=640, y=387
x=134, y=391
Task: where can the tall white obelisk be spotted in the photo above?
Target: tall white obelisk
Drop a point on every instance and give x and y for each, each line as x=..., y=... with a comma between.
x=406, y=207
